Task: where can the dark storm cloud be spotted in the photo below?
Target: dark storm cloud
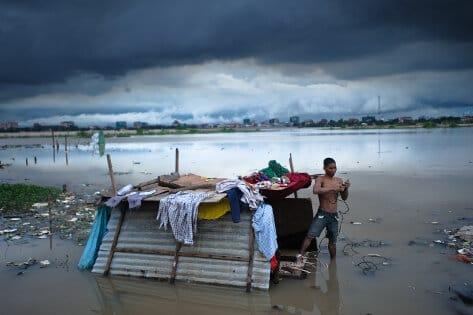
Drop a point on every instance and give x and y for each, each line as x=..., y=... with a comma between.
x=19, y=113
x=45, y=42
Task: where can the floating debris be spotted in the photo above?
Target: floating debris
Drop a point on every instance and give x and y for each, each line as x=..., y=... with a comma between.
x=356, y=223
x=8, y=231
x=39, y=205
x=44, y=263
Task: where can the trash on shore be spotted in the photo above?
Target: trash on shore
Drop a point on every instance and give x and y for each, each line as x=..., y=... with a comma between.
x=71, y=218
x=461, y=240
x=38, y=205
x=465, y=233
x=355, y=223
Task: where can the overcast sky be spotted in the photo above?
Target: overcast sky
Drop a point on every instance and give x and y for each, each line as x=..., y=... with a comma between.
x=96, y=62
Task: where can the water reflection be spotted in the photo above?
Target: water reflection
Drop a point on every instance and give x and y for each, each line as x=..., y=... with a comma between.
x=136, y=296
x=119, y=295
x=327, y=291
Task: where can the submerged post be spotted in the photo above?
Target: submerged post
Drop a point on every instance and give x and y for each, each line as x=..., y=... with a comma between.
x=110, y=172
x=291, y=166
x=65, y=142
x=52, y=136
x=176, y=170
x=50, y=224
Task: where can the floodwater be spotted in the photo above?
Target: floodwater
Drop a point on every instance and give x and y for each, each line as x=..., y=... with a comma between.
x=404, y=179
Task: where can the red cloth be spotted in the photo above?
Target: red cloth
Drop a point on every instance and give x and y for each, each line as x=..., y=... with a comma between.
x=298, y=181
x=274, y=263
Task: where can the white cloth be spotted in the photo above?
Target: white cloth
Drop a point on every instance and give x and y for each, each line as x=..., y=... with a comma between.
x=125, y=190
x=265, y=230
x=180, y=212
x=251, y=196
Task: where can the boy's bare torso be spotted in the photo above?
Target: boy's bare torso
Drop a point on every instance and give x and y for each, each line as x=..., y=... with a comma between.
x=328, y=201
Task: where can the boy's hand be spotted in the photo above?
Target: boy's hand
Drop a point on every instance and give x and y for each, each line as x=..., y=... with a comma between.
x=347, y=184
x=341, y=187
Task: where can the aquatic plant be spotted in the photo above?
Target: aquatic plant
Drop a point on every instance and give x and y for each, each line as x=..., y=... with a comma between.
x=20, y=197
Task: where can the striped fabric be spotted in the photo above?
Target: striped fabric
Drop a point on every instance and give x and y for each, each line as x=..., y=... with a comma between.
x=180, y=212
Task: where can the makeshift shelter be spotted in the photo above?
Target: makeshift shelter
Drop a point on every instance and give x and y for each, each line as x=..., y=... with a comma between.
x=223, y=253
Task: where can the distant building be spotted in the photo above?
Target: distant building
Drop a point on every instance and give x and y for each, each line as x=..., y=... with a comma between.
x=67, y=124
x=274, y=121
x=368, y=119
x=308, y=123
x=294, y=120
x=9, y=125
x=405, y=119
x=176, y=123
x=120, y=125
x=246, y=121
x=323, y=122
x=467, y=119
x=139, y=124
x=37, y=126
x=353, y=121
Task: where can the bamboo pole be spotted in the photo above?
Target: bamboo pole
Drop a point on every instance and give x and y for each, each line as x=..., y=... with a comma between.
x=50, y=224
x=110, y=172
x=52, y=136
x=176, y=169
x=114, y=242
x=291, y=165
x=172, y=278
x=251, y=249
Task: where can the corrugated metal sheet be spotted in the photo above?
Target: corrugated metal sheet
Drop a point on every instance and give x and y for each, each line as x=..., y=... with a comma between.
x=222, y=237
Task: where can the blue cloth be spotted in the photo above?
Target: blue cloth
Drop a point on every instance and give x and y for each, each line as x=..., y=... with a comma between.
x=89, y=255
x=265, y=230
x=234, y=197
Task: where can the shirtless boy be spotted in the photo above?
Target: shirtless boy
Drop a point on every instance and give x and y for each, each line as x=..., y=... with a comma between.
x=327, y=187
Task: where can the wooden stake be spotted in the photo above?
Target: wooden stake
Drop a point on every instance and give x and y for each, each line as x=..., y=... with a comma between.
x=65, y=142
x=114, y=242
x=176, y=170
x=172, y=278
x=110, y=172
x=251, y=249
x=291, y=165
x=52, y=136
x=50, y=224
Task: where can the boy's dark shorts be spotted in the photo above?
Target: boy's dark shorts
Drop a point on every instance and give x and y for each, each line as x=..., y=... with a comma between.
x=323, y=220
